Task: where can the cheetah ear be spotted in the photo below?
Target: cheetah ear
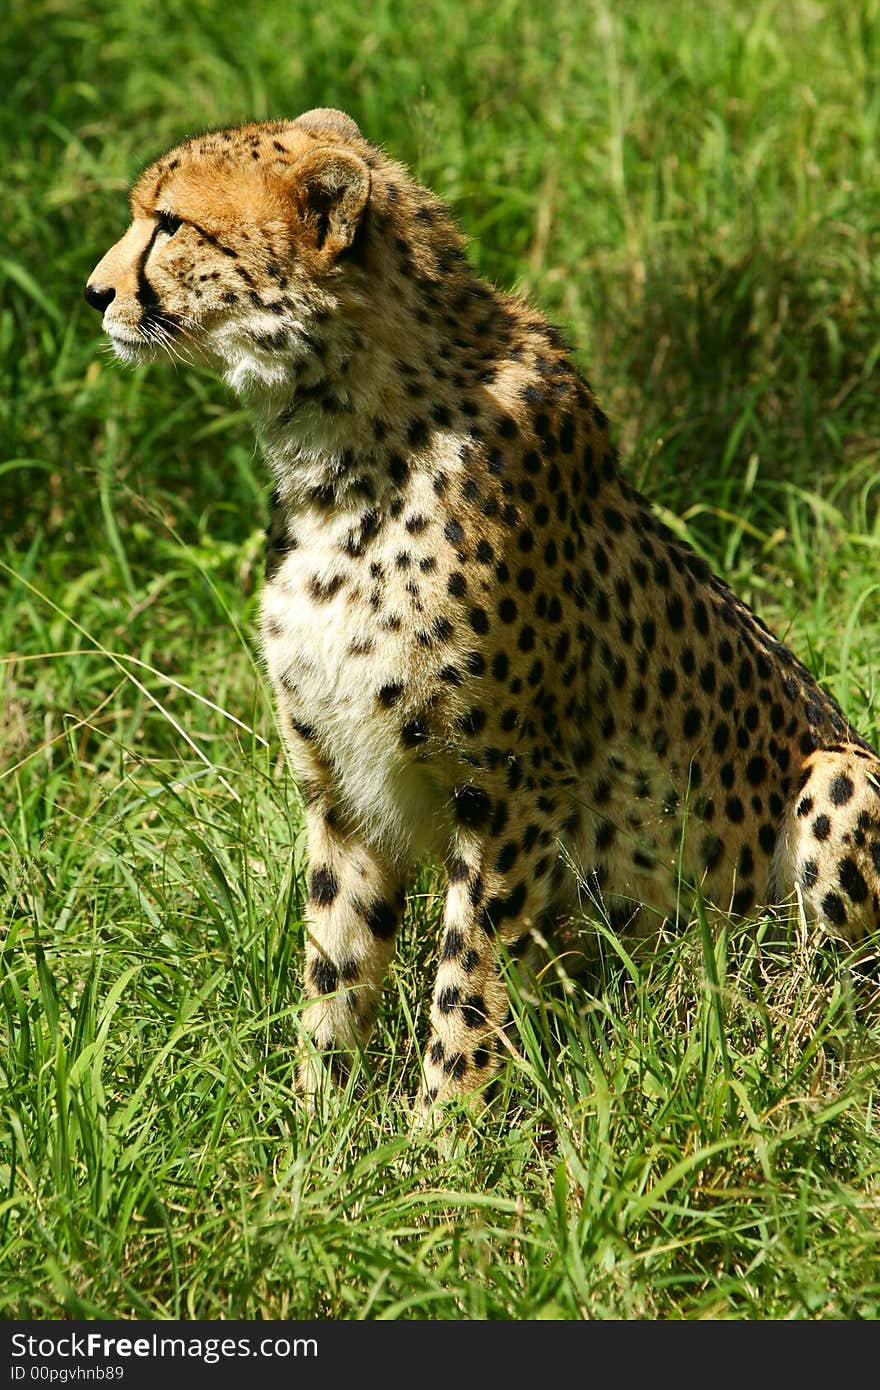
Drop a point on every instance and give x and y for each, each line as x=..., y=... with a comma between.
x=332, y=189
x=325, y=118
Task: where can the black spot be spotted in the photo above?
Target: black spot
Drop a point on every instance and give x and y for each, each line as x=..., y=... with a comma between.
x=691, y=722
x=388, y=695
x=474, y=1011
x=530, y=837
x=472, y=722
x=322, y=590
x=398, y=469
x=852, y=881
x=526, y=580
x=450, y=674
x=602, y=791
x=453, y=943
x=475, y=892
x=821, y=827
x=841, y=790
x=675, y=613
x=323, y=886
x=471, y=806
x=448, y=999
x=605, y=833
x=834, y=910
x=324, y=975
x=743, y=900
x=380, y=917
x=711, y=850
x=756, y=770
x=507, y=857
x=413, y=732
x=498, y=908
x=500, y=666
x=809, y=873
x=457, y=584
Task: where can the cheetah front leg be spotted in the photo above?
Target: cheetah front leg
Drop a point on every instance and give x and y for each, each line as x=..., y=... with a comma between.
x=354, y=908
x=499, y=885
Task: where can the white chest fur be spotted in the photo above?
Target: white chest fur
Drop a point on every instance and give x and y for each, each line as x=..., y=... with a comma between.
x=330, y=651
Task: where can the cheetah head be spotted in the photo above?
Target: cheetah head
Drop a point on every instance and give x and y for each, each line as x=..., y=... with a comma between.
x=240, y=242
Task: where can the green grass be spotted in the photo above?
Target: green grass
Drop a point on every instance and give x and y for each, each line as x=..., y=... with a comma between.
x=694, y=196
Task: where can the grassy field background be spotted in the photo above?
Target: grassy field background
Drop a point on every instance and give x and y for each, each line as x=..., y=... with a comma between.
x=693, y=194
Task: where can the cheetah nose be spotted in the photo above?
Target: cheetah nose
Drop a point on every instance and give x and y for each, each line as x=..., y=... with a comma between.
x=98, y=297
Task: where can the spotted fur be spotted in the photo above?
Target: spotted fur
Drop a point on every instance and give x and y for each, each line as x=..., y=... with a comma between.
x=485, y=647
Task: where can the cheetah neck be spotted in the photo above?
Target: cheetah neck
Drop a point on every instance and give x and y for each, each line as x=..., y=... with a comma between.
x=357, y=411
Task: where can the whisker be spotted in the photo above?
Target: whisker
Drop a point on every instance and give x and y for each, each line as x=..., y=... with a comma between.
x=177, y=328
x=161, y=338
x=168, y=331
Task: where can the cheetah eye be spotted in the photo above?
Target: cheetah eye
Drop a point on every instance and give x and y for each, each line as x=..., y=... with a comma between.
x=168, y=223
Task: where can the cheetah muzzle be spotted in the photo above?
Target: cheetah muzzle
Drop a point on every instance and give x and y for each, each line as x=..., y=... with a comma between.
x=484, y=646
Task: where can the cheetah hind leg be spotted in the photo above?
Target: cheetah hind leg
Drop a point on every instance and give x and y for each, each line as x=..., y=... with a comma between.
x=828, y=848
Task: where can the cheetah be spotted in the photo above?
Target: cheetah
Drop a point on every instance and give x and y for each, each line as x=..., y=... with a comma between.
x=485, y=648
